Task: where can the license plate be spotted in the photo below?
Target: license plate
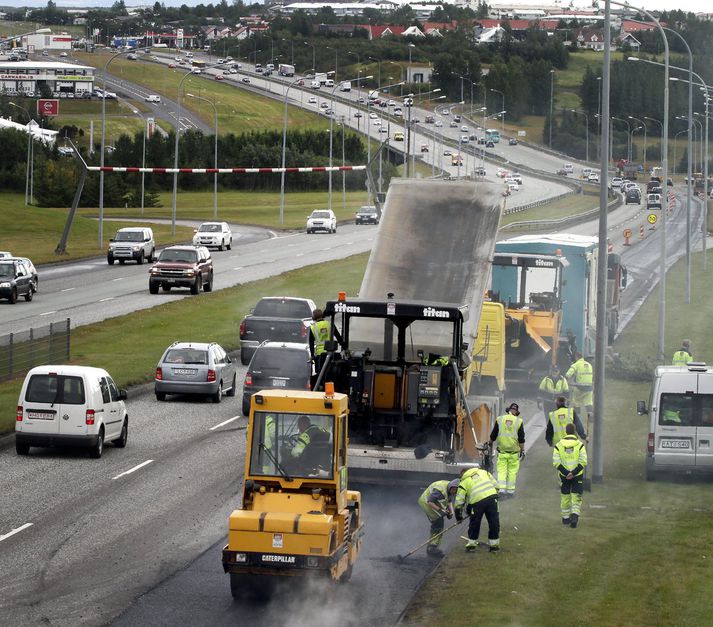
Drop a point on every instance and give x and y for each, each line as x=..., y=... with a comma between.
x=685, y=444
x=185, y=371
x=279, y=383
x=170, y=280
x=40, y=415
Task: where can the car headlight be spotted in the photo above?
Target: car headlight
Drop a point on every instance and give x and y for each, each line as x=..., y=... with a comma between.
x=5, y=284
x=190, y=272
x=136, y=248
x=155, y=271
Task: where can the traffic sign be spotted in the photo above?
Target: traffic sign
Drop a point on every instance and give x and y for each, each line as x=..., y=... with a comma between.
x=652, y=218
x=627, y=232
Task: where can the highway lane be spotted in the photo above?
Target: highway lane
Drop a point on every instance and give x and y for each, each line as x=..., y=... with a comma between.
x=90, y=291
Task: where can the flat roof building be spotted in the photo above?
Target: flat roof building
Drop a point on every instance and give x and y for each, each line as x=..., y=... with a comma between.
x=29, y=77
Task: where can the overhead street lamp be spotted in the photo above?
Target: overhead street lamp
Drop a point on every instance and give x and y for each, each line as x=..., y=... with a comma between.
x=675, y=137
x=497, y=91
x=175, y=153
x=700, y=135
x=628, y=136
x=314, y=66
x=586, y=128
x=29, y=169
x=215, y=159
x=409, y=102
x=552, y=102
x=378, y=80
x=643, y=124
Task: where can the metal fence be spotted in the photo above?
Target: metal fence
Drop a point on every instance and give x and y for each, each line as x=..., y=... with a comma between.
x=42, y=345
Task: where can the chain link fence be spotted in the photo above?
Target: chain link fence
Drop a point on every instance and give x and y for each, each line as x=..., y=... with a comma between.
x=42, y=345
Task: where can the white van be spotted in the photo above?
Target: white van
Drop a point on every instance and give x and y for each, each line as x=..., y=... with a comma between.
x=680, y=420
x=70, y=406
x=568, y=168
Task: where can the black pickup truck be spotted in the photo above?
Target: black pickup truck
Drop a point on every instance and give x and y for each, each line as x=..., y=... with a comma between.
x=275, y=318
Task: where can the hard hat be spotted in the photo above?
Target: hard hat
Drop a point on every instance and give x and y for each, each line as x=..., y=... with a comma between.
x=453, y=485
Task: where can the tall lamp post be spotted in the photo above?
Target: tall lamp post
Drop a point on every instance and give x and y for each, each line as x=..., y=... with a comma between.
x=175, y=153
x=628, y=136
x=643, y=125
x=215, y=157
x=675, y=141
x=586, y=130
x=314, y=66
x=284, y=149
x=29, y=169
x=552, y=102
x=378, y=80
x=497, y=91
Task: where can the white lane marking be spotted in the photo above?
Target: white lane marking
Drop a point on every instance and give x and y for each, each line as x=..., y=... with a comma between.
x=349, y=243
x=299, y=255
x=68, y=289
x=225, y=422
x=134, y=469
x=238, y=268
x=48, y=313
x=121, y=278
x=103, y=300
x=328, y=248
x=14, y=531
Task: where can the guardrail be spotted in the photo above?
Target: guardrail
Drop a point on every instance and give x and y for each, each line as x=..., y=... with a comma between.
x=19, y=352
x=535, y=225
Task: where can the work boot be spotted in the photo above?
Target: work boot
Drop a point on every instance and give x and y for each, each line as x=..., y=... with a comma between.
x=574, y=518
x=434, y=551
x=494, y=548
x=502, y=494
x=471, y=545
x=566, y=521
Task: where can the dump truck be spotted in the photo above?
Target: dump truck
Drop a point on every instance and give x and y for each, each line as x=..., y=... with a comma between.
x=548, y=284
x=297, y=516
x=404, y=345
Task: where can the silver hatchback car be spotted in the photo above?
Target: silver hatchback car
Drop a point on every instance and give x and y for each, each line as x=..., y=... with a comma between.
x=195, y=368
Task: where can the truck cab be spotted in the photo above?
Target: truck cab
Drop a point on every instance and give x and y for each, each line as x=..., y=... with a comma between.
x=297, y=517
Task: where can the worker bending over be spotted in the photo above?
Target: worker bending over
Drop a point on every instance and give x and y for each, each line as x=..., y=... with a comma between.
x=569, y=458
x=437, y=501
x=508, y=434
x=477, y=495
x=558, y=420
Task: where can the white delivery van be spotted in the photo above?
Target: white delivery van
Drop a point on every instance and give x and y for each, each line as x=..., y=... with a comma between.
x=680, y=414
x=70, y=406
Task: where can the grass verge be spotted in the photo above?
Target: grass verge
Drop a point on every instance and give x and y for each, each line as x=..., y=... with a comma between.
x=17, y=222
x=129, y=346
x=642, y=553
x=238, y=207
x=560, y=208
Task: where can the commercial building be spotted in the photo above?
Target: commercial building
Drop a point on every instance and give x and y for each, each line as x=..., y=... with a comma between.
x=29, y=77
x=36, y=42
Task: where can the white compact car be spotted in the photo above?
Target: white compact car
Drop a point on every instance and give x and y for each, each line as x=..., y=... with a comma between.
x=214, y=235
x=70, y=406
x=153, y=98
x=322, y=220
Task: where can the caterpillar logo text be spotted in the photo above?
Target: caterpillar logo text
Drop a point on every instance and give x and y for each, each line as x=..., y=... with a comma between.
x=282, y=559
x=342, y=308
x=430, y=312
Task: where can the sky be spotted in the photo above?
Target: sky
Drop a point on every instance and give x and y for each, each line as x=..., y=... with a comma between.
x=695, y=6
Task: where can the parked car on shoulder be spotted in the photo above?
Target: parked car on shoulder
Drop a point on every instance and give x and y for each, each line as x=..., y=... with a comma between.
x=322, y=220
x=277, y=365
x=15, y=281
x=195, y=368
x=367, y=215
x=131, y=244
x=213, y=235
x=182, y=266
x=78, y=406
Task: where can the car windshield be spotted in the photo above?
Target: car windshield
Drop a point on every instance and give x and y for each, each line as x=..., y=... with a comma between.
x=292, y=445
x=282, y=308
x=129, y=236
x=367, y=210
x=186, y=356
x=179, y=256
x=320, y=214
x=209, y=228
x=7, y=270
x=280, y=361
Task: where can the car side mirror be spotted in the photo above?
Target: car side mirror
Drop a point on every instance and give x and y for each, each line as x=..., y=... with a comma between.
x=122, y=395
x=228, y=360
x=147, y=239
x=641, y=408
x=111, y=239
x=195, y=230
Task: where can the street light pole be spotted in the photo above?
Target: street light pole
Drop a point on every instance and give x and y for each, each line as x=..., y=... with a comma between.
x=643, y=124
x=586, y=130
x=314, y=67
x=503, y=118
x=284, y=148
x=215, y=166
x=175, y=154
x=29, y=141
x=552, y=101
x=628, y=136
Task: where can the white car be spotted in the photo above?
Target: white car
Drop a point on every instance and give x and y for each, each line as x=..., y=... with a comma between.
x=383, y=129
x=74, y=406
x=63, y=54
x=616, y=182
x=322, y=220
x=4, y=254
x=439, y=123
x=213, y=235
x=464, y=129
x=593, y=177
x=512, y=186
x=153, y=98
x=312, y=100
x=373, y=116
x=464, y=139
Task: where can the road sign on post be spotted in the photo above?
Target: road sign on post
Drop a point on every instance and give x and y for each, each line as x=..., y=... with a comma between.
x=48, y=107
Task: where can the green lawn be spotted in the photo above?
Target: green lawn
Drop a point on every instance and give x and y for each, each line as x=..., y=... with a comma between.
x=130, y=346
x=238, y=109
x=8, y=29
x=642, y=553
x=569, y=205
x=47, y=225
x=261, y=208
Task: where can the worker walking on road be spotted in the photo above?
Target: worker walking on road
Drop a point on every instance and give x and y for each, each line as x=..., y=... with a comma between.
x=682, y=356
x=437, y=501
x=580, y=376
x=569, y=458
x=558, y=420
x=477, y=495
x=552, y=386
x=508, y=434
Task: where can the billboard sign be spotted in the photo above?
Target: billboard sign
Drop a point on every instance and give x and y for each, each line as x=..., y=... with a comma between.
x=48, y=107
